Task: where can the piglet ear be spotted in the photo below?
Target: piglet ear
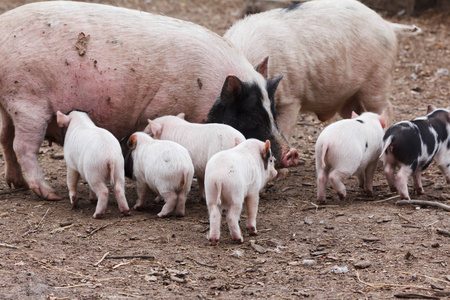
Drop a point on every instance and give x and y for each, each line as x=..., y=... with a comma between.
x=62, y=119
x=354, y=115
x=231, y=89
x=430, y=108
x=237, y=141
x=383, y=119
x=181, y=115
x=263, y=67
x=155, y=129
x=265, y=152
x=132, y=142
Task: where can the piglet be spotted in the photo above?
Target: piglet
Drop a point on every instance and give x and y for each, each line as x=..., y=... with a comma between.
x=95, y=154
x=164, y=167
x=233, y=176
x=348, y=147
x=412, y=145
x=201, y=140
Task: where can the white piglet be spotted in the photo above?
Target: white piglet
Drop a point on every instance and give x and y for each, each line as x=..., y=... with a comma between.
x=201, y=140
x=95, y=154
x=232, y=177
x=164, y=167
x=348, y=147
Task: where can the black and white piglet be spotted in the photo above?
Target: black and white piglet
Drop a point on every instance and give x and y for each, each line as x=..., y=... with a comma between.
x=412, y=145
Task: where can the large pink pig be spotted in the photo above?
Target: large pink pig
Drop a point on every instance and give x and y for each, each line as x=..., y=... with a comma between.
x=335, y=56
x=123, y=66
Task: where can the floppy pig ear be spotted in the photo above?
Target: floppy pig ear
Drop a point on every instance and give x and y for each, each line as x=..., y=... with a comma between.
x=263, y=67
x=132, y=142
x=62, y=119
x=354, y=115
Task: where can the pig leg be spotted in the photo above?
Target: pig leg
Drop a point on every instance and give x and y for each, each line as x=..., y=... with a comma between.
x=389, y=171
x=13, y=170
x=287, y=116
x=119, y=191
x=171, y=201
x=214, y=224
x=322, y=179
x=417, y=180
x=336, y=178
x=92, y=196
x=101, y=190
x=252, y=210
x=201, y=186
x=181, y=204
x=233, y=215
x=402, y=181
x=369, y=175
x=72, y=181
x=28, y=138
x=142, y=189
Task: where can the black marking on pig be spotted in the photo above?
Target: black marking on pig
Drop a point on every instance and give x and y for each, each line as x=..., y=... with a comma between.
x=271, y=87
x=405, y=144
x=199, y=83
x=127, y=155
x=292, y=7
x=367, y=145
x=243, y=109
x=360, y=121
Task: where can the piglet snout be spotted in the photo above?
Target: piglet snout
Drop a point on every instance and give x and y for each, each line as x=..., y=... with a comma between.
x=290, y=158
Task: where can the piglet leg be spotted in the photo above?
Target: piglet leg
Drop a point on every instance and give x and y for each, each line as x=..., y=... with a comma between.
x=252, y=210
x=142, y=189
x=402, y=181
x=322, y=178
x=171, y=201
x=214, y=224
x=233, y=216
x=181, y=204
x=119, y=191
x=101, y=190
x=389, y=171
x=72, y=181
x=417, y=180
x=336, y=178
x=368, y=178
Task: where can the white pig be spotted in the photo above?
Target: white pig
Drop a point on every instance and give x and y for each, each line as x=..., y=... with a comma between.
x=335, y=56
x=349, y=147
x=95, y=154
x=164, y=167
x=232, y=177
x=201, y=140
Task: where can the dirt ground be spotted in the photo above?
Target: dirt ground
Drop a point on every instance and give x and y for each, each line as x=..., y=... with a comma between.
x=363, y=248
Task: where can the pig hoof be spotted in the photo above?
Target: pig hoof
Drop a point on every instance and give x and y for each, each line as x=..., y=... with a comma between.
x=138, y=207
x=179, y=215
x=341, y=197
x=213, y=242
x=252, y=231
x=420, y=191
x=98, y=215
x=126, y=212
x=239, y=240
x=161, y=215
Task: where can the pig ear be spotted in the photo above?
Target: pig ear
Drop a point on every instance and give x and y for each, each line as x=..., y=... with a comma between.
x=265, y=152
x=354, y=115
x=263, y=67
x=272, y=85
x=132, y=142
x=155, y=129
x=181, y=115
x=62, y=119
x=383, y=119
x=430, y=108
x=237, y=141
x=231, y=89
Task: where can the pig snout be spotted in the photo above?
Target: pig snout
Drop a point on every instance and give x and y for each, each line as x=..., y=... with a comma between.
x=290, y=158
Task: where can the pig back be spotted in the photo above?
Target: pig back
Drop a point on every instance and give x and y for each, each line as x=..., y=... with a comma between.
x=123, y=66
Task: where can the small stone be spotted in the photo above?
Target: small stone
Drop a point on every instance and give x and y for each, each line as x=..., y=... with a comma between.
x=435, y=245
x=308, y=221
x=258, y=248
x=308, y=262
x=362, y=264
x=436, y=286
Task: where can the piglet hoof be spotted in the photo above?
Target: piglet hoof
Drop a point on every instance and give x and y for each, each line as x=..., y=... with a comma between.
x=161, y=215
x=213, y=242
x=74, y=203
x=239, y=240
x=341, y=196
x=179, y=215
x=420, y=191
x=98, y=215
x=138, y=207
x=369, y=193
x=126, y=212
x=252, y=231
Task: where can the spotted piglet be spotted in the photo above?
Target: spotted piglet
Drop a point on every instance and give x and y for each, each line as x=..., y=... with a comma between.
x=348, y=147
x=95, y=154
x=164, y=167
x=232, y=177
x=412, y=145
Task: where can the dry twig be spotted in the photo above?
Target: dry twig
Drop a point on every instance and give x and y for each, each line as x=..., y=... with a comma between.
x=101, y=259
x=381, y=285
x=424, y=203
x=415, y=274
x=8, y=246
x=13, y=191
x=151, y=257
x=202, y=264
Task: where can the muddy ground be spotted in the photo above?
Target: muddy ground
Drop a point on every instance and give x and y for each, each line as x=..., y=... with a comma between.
x=49, y=251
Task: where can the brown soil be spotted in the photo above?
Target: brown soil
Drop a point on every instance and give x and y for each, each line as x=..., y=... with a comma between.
x=53, y=250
